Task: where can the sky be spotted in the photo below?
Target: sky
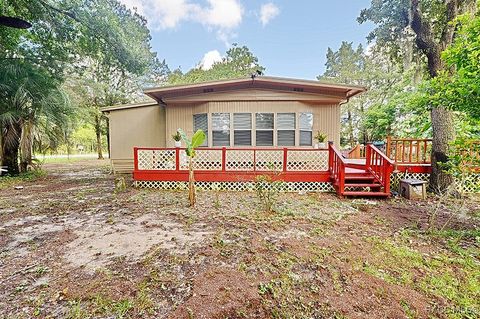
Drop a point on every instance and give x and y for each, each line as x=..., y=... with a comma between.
x=290, y=38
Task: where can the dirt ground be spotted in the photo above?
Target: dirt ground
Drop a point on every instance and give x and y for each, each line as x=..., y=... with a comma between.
x=73, y=247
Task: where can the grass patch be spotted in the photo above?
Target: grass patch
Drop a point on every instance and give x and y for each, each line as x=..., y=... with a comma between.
x=453, y=275
x=30, y=176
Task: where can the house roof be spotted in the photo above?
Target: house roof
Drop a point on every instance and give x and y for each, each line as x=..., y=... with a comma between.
x=285, y=88
x=128, y=106
x=336, y=91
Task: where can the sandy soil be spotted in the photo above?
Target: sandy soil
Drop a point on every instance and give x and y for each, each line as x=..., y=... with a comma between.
x=72, y=247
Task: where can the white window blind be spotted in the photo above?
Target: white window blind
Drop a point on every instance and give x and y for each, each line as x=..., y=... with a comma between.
x=286, y=129
x=221, y=129
x=264, y=129
x=306, y=127
x=200, y=122
x=242, y=125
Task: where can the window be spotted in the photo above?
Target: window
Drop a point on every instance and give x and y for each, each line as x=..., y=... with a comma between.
x=242, y=126
x=306, y=127
x=200, y=122
x=264, y=129
x=221, y=129
x=286, y=129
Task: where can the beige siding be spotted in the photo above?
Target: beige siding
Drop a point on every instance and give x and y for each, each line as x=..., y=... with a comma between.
x=326, y=117
x=141, y=127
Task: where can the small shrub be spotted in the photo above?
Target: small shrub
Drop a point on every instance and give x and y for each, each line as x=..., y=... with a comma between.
x=267, y=188
x=120, y=185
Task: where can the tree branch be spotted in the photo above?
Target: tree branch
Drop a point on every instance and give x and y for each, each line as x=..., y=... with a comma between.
x=425, y=39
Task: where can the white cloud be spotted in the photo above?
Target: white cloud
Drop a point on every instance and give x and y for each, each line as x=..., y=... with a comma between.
x=268, y=11
x=221, y=16
x=209, y=59
x=225, y=14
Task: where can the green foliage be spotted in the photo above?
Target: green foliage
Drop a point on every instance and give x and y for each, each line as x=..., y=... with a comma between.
x=101, y=49
x=30, y=176
x=458, y=88
x=320, y=137
x=268, y=188
x=463, y=160
x=197, y=139
x=372, y=115
x=452, y=276
x=177, y=137
x=238, y=62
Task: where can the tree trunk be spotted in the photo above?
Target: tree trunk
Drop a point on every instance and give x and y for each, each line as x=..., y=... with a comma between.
x=11, y=143
x=26, y=139
x=443, y=133
x=191, y=183
x=98, y=133
x=350, y=128
x=108, y=138
x=442, y=119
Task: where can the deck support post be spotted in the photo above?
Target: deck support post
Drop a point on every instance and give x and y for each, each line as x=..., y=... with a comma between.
x=177, y=159
x=224, y=158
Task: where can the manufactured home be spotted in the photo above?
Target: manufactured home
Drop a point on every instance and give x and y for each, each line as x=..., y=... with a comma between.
x=254, y=112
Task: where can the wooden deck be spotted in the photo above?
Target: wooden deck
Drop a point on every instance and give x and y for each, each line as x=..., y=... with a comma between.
x=368, y=176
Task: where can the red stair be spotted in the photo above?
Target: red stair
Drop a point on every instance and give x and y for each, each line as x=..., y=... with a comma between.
x=370, y=179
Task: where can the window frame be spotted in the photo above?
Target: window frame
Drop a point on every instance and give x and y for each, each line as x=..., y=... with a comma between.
x=228, y=131
x=205, y=143
x=292, y=130
x=305, y=130
x=272, y=130
x=235, y=130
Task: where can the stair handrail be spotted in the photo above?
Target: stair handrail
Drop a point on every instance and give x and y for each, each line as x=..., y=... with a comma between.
x=379, y=165
x=336, y=167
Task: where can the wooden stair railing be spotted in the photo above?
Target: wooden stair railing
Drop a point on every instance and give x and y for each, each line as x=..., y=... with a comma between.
x=372, y=177
x=336, y=166
x=379, y=165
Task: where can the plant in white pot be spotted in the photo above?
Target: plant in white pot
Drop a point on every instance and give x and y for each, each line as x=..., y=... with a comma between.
x=178, y=139
x=320, y=138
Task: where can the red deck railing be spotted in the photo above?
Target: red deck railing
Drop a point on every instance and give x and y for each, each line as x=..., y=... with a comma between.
x=357, y=152
x=409, y=150
x=232, y=164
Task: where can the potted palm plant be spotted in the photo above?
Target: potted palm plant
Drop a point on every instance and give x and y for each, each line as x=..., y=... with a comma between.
x=320, y=138
x=178, y=139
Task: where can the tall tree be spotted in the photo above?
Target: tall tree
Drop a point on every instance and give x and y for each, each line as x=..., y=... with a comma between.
x=70, y=32
x=430, y=23
x=372, y=70
x=458, y=87
x=238, y=62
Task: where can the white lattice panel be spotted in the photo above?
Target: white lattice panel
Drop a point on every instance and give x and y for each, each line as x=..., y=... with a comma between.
x=239, y=160
x=469, y=184
x=156, y=159
x=205, y=160
x=269, y=160
x=235, y=186
x=298, y=161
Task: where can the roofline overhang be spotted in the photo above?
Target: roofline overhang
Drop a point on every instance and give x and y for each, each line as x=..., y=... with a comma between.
x=128, y=106
x=156, y=91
